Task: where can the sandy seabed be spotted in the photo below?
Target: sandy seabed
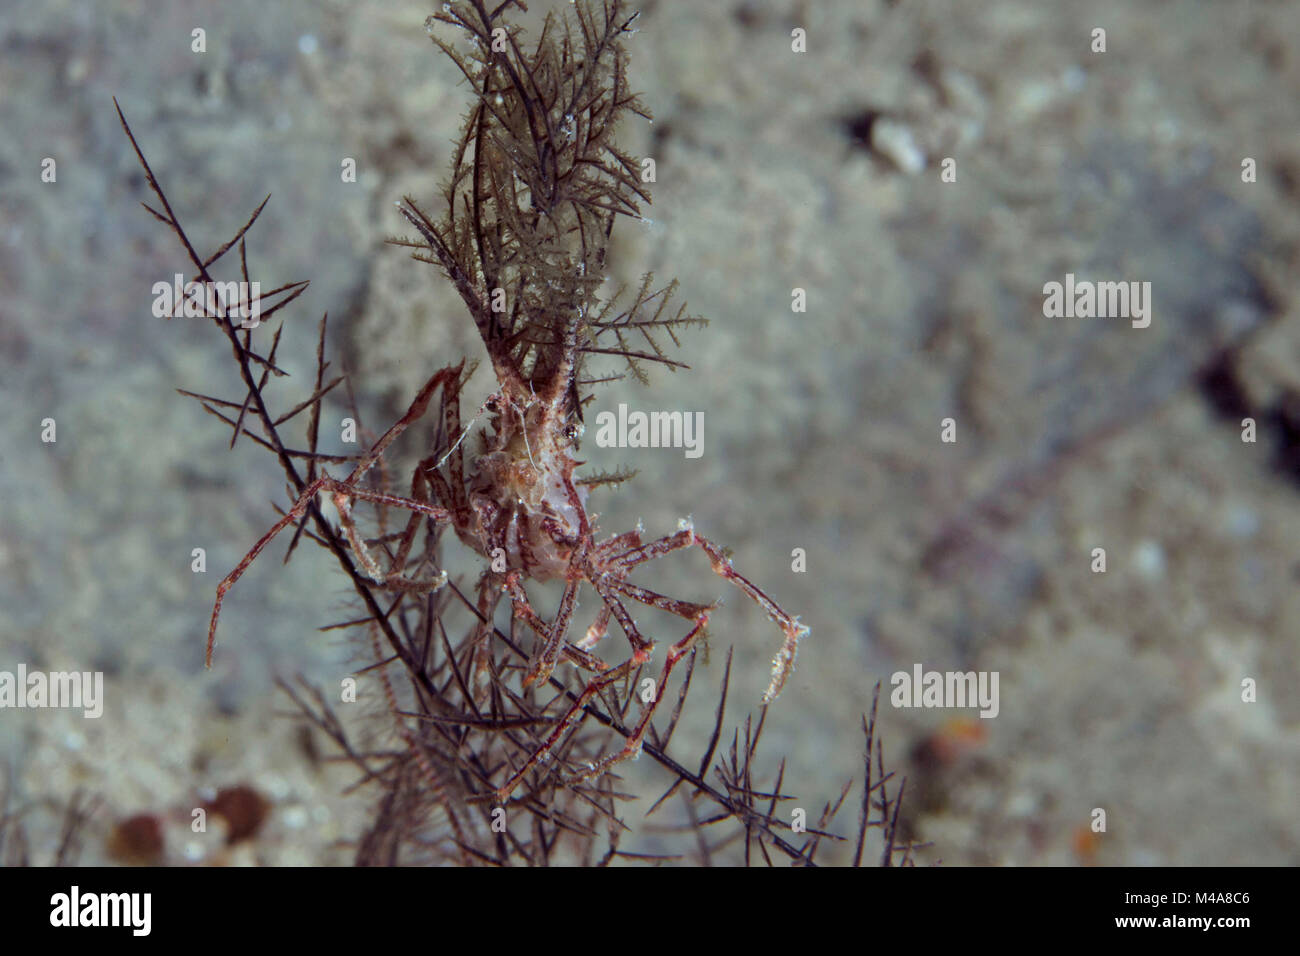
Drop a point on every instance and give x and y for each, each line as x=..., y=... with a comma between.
x=776, y=171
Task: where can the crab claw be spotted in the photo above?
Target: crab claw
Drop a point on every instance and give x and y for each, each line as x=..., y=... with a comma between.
x=539, y=673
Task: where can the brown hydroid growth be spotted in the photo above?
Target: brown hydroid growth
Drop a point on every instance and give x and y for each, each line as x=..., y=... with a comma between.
x=503, y=754
x=536, y=185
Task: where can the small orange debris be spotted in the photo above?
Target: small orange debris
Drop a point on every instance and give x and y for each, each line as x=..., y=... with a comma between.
x=953, y=740
x=1085, y=843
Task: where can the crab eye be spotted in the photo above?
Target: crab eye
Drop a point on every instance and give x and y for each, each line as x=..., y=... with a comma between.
x=572, y=431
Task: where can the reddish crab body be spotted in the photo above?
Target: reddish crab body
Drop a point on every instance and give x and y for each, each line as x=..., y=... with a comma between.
x=526, y=506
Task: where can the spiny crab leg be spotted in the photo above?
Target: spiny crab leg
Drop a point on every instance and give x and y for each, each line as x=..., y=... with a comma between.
x=608, y=579
x=636, y=740
x=342, y=491
x=783, y=662
x=598, y=629
x=524, y=611
x=594, y=686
